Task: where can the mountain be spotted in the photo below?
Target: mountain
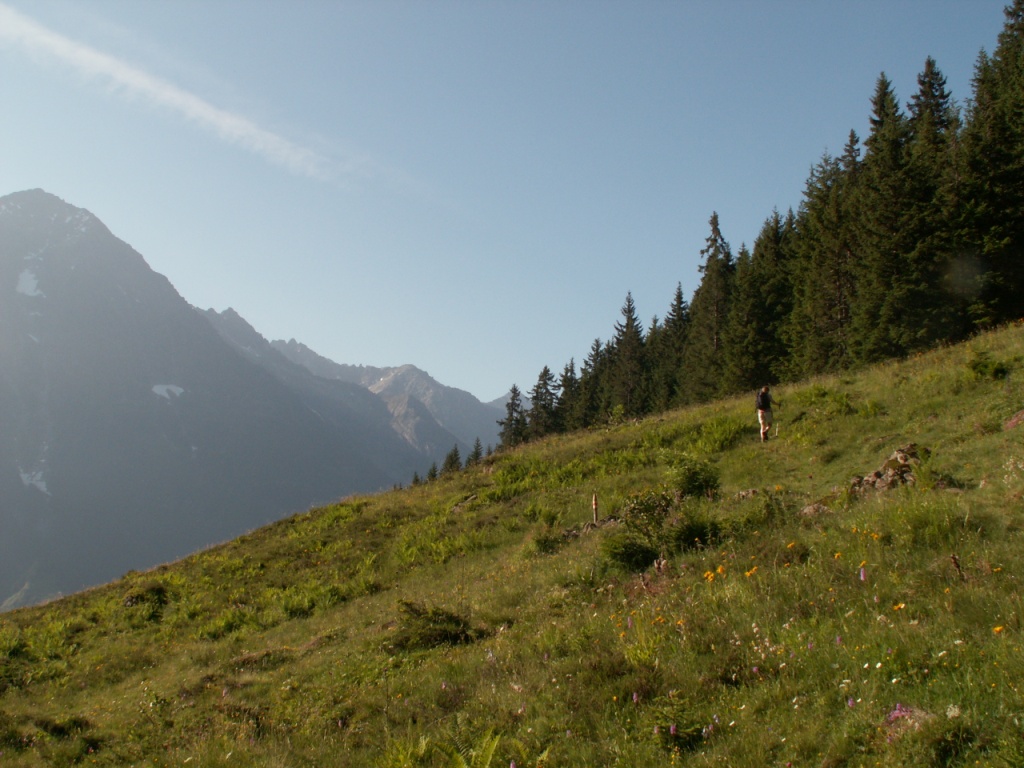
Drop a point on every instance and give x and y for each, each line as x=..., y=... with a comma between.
x=414, y=438
x=455, y=410
x=131, y=433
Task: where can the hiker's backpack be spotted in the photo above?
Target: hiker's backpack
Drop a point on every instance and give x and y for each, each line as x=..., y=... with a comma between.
x=764, y=401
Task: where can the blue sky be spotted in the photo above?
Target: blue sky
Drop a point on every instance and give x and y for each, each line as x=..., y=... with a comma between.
x=470, y=187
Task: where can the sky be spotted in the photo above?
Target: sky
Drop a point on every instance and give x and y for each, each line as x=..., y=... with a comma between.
x=469, y=186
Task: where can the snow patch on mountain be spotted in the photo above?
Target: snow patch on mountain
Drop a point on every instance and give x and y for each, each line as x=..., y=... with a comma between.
x=28, y=284
x=33, y=479
x=169, y=391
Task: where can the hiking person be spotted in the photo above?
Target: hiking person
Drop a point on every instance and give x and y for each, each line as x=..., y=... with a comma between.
x=765, y=401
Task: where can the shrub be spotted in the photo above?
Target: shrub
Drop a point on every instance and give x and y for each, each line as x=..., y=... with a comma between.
x=720, y=434
x=423, y=628
x=693, y=477
x=547, y=541
x=693, y=529
x=644, y=514
x=626, y=550
x=984, y=367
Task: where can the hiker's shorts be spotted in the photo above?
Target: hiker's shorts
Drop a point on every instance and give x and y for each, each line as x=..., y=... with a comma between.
x=764, y=418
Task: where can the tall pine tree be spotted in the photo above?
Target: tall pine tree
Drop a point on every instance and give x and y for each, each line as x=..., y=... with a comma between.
x=762, y=300
x=542, y=417
x=992, y=227
x=885, y=235
x=703, y=357
x=627, y=375
x=936, y=308
x=665, y=343
x=818, y=332
x=513, y=426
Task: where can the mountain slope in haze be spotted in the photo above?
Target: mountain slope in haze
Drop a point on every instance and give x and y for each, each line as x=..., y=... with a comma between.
x=130, y=432
x=404, y=444
x=455, y=410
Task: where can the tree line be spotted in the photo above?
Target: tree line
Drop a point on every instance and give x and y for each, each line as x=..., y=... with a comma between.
x=910, y=238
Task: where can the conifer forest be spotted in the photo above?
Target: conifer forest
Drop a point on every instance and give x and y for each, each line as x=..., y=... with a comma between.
x=911, y=237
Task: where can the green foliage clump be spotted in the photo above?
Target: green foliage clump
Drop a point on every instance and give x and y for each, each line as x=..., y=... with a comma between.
x=689, y=476
x=629, y=551
x=826, y=401
x=644, y=514
x=422, y=628
x=982, y=366
x=694, y=528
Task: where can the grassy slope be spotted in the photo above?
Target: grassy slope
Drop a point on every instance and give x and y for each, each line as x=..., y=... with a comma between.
x=848, y=637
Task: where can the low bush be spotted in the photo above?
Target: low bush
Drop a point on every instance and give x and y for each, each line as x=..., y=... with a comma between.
x=628, y=551
x=423, y=628
x=689, y=476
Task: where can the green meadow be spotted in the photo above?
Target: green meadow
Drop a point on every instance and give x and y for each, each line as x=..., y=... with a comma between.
x=735, y=603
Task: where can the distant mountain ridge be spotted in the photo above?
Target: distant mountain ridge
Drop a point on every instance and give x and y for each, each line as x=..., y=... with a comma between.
x=135, y=428
x=455, y=410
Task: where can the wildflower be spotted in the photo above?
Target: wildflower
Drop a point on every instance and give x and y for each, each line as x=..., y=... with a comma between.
x=751, y=572
x=672, y=729
x=850, y=702
x=998, y=629
x=636, y=697
x=837, y=555
x=898, y=711
x=863, y=575
x=899, y=606
x=709, y=576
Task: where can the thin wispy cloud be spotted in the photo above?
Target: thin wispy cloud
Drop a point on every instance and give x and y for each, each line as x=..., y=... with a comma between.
x=19, y=31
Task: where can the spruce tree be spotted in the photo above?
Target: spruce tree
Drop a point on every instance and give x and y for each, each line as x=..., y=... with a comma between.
x=452, y=461
x=476, y=455
x=743, y=365
x=937, y=308
x=627, y=376
x=591, y=403
x=703, y=358
x=824, y=277
x=885, y=235
x=568, y=398
x=513, y=426
x=665, y=343
x=542, y=417
x=992, y=224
